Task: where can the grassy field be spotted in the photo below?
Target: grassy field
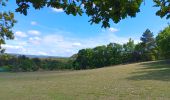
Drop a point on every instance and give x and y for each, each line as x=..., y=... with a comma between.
x=140, y=81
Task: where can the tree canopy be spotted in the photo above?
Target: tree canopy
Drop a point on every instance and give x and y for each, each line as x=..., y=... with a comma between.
x=148, y=45
x=99, y=10
x=115, y=53
x=163, y=41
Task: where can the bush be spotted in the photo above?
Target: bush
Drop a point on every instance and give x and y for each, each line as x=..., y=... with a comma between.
x=5, y=68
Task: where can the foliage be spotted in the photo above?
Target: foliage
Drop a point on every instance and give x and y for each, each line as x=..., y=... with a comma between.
x=99, y=56
x=129, y=46
x=115, y=53
x=99, y=10
x=7, y=21
x=163, y=42
x=148, y=45
x=129, y=54
x=164, y=6
x=23, y=63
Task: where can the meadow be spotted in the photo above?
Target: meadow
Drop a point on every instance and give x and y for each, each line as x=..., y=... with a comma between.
x=138, y=81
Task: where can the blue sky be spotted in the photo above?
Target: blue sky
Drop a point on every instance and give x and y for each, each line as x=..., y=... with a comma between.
x=51, y=32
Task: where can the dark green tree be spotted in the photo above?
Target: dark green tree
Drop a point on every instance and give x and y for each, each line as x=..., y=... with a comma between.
x=112, y=54
x=84, y=59
x=138, y=52
x=117, y=53
x=109, y=54
x=163, y=42
x=37, y=62
x=128, y=51
x=129, y=46
x=99, y=58
x=148, y=40
x=148, y=43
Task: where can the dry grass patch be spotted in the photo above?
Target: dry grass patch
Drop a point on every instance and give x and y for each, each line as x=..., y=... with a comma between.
x=140, y=81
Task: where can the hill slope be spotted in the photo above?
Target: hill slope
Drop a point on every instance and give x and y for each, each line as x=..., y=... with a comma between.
x=140, y=81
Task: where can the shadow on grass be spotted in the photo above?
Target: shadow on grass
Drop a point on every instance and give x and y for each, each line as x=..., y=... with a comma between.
x=153, y=71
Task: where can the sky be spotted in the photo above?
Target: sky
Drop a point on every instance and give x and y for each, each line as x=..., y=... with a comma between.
x=51, y=32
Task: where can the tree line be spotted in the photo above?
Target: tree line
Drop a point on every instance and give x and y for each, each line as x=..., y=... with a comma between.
x=25, y=64
x=149, y=49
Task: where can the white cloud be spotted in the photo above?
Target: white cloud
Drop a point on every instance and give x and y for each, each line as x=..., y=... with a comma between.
x=53, y=39
x=57, y=10
x=22, y=43
x=42, y=53
x=14, y=48
x=11, y=46
x=113, y=29
x=33, y=23
x=76, y=44
x=34, y=32
x=57, y=44
x=20, y=34
x=34, y=40
x=23, y=50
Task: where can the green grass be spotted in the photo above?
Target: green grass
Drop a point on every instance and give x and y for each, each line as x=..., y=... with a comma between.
x=140, y=81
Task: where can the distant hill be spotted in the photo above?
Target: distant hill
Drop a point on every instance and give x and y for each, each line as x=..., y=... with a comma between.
x=36, y=56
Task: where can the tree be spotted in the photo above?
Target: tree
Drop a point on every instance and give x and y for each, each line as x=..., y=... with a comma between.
x=109, y=54
x=99, y=58
x=148, y=43
x=129, y=46
x=128, y=51
x=138, y=52
x=84, y=59
x=113, y=54
x=117, y=53
x=37, y=61
x=7, y=21
x=148, y=40
x=164, y=6
x=99, y=10
x=163, y=42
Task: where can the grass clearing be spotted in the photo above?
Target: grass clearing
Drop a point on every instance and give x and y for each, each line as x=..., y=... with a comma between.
x=139, y=81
